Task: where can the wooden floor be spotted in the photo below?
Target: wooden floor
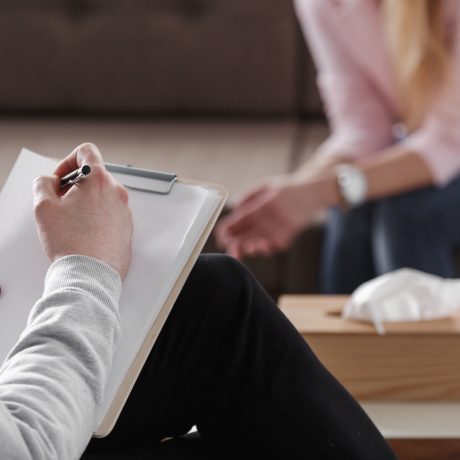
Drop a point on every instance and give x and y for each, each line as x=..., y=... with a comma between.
x=426, y=449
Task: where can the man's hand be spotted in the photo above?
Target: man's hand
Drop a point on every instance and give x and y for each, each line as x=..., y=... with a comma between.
x=91, y=218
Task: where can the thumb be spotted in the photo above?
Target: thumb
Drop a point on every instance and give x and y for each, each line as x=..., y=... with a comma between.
x=89, y=153
x=86, y=153
x=45, y=188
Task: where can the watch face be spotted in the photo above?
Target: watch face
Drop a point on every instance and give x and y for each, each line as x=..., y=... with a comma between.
x=352, y=184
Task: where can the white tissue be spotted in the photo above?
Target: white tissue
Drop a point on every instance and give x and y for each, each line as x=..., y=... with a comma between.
x=403, y=295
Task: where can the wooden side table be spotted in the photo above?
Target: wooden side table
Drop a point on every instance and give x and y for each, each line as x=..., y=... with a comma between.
x=408, y=380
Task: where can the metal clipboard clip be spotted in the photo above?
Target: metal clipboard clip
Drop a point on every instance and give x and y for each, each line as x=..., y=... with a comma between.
x=143, y=180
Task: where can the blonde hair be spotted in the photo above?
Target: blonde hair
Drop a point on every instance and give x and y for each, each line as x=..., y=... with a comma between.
x=417, y=43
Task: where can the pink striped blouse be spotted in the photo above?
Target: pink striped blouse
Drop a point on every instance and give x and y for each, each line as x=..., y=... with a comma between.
x=356, y=83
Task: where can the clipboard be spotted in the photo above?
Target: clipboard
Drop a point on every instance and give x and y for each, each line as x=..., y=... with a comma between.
x=178, y=213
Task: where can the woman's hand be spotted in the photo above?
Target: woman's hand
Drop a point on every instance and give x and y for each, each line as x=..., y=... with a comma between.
x=269, y=217
x=90, y=218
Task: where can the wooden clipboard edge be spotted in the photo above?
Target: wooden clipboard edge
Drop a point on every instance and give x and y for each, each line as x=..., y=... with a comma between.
x=108, y=422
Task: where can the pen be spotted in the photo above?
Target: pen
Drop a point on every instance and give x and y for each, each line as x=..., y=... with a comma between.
x=75, y=176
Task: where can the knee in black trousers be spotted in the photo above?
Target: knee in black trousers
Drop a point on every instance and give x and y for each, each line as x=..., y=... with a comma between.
x=229, y=361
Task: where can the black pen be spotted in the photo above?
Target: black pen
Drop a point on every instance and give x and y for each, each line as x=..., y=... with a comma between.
x=75, y=176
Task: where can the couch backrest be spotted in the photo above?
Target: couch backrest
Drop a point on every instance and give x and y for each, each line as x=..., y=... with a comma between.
x=237, y=57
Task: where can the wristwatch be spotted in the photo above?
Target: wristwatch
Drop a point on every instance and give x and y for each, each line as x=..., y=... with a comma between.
x=352, y=185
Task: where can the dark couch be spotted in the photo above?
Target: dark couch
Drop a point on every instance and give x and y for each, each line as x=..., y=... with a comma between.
x=161, y=57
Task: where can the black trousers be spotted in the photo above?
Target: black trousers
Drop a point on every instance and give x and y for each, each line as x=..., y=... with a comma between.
x=228, y=361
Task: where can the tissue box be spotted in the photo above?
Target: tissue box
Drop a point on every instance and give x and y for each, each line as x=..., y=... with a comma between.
x=412, y=362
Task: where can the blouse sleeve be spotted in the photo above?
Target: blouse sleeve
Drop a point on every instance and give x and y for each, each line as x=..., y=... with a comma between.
x=360, y=120
x=437, y=141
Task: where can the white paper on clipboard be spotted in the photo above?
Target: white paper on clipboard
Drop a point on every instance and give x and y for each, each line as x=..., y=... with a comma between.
x=170, y=229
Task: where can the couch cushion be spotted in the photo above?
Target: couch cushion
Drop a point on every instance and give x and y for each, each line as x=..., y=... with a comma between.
x=168, y=56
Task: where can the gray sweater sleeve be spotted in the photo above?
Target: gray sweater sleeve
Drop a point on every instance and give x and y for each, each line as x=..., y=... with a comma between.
x=51, y=384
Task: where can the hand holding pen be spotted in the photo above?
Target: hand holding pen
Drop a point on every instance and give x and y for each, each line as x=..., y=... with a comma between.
x=92, y=220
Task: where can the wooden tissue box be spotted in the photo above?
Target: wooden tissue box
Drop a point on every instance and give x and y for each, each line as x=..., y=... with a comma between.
x=411, y=362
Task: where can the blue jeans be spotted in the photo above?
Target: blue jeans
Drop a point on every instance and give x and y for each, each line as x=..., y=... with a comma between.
x=418, y=230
